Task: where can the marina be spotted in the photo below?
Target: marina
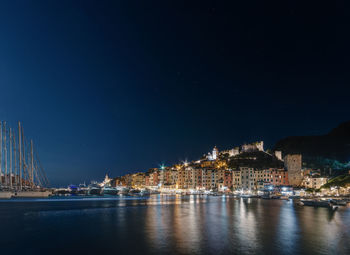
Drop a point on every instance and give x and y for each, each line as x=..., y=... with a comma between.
x=21, y=173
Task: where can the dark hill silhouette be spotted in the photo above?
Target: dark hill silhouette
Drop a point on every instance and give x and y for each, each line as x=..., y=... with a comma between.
x=335, y=145
x=255, y=159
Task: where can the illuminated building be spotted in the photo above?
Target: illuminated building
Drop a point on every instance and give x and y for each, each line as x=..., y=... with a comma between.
x=275, y=177
x=248, y=179
x=126, y=180
x=214, y=155
x=138, y=180
x=228, y=179
x=314, y=182
x=236, y=180
x=154, y=177
x=234, y=152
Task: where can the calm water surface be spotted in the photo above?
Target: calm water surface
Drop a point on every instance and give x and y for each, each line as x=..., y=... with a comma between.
x=171, y=225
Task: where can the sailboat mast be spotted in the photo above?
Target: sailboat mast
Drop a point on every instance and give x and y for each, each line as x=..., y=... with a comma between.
x=10, y=142
x=6, y=173
x=32, y=162
x=20, y=154
x=15, y=170
x=25, y=166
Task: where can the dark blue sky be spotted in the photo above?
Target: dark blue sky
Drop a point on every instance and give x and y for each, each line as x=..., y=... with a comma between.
x=117, y=87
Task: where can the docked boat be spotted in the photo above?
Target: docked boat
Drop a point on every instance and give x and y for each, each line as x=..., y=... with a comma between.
x=270, y=197
x=145, y=192
x=109, y=191
x=123, y=190
x=318, y=203
x=61, y=191
x=73, y=190
x=134, y=192
x=5, y=194
x=82, y=190
x=94, y=190
x=338, y=202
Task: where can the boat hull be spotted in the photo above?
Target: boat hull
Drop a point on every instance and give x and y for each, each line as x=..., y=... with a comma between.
x=94, y=192
x=110, y=192
x=316, y=203
x=5, y=194
x=32, y=194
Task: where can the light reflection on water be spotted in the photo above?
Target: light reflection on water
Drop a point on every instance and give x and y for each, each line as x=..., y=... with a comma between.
x=172, y=225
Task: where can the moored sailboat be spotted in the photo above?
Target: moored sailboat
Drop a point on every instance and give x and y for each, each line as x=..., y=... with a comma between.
x=21, y=173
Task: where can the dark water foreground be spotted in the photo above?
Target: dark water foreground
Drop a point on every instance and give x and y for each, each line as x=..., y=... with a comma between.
x=171, y=225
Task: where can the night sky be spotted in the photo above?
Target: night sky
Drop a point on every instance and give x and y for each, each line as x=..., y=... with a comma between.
x=117, y=87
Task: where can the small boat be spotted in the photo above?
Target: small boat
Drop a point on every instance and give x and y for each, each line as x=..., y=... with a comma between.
x=270, y=197
x=338, y=202
x=145, y=192
x=134, y=192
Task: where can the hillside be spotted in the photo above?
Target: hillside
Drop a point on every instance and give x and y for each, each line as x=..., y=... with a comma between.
x=333, y=146
x=339, y=181
x=256, y=159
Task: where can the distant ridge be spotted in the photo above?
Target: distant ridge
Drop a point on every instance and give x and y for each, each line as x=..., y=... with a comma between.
x=334, y=145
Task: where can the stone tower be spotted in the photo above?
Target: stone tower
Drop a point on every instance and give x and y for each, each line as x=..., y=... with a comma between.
x=292, y=163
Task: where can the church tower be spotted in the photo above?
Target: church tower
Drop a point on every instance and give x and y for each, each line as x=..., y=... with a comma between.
x=215, y=153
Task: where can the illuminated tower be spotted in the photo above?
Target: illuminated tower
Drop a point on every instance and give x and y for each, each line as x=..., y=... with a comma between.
x=215, y=153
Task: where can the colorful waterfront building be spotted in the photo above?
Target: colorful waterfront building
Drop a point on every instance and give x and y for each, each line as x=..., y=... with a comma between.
x=248, y=179
x=228, y=179
x=236, y=180
x=314, y=182
x=138, y=180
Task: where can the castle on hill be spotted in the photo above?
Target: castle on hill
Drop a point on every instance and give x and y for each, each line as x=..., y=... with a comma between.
x=251, y=147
